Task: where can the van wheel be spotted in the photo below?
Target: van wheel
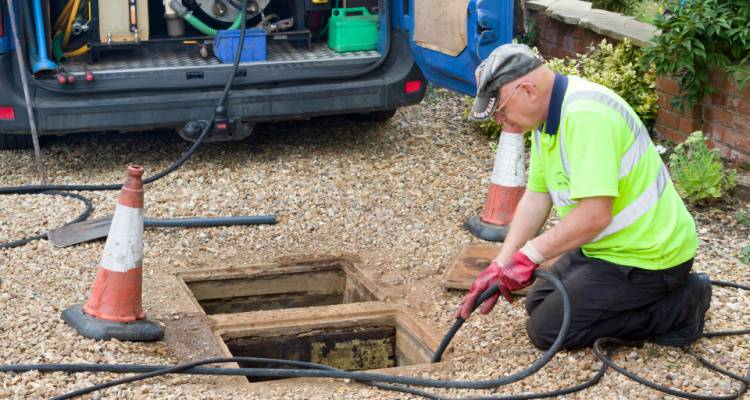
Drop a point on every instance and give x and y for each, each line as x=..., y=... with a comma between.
x=375, y=116
x=15, y=142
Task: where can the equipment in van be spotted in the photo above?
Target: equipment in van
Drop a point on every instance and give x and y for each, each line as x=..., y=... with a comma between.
x=352, y=29
x=121, y=21
x=42, y=61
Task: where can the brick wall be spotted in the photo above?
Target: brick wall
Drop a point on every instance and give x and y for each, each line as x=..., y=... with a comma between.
x=556, y=39
x=723, y=116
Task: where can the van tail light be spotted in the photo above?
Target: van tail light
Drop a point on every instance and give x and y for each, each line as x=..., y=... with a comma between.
x=7, y=113
x=413, y=87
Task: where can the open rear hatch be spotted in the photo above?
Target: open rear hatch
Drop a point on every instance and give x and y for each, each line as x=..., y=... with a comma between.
x=176, y=44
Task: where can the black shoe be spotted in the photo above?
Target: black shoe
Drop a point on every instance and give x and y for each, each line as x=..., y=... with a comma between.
x=688, y=332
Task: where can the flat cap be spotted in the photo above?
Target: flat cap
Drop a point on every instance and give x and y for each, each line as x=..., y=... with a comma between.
x=505, y=64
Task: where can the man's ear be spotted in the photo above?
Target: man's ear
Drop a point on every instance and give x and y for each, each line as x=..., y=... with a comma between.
x=531, y=90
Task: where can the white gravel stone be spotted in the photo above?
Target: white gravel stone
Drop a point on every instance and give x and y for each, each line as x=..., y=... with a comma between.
x=395, y=194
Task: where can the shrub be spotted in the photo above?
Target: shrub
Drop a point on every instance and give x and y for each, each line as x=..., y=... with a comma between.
x=698, y=36
x=743, y=218
x=697, y=171
x=620, y=6
x=643, y=10
x=616, y=67
x=745, y=254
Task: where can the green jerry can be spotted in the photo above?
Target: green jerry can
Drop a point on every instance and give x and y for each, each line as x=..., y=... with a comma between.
x=352, y=29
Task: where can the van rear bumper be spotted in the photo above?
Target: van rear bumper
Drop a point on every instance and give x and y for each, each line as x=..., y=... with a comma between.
x=381, y=89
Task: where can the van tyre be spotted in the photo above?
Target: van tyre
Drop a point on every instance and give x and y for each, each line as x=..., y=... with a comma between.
x=15, y=142
x=375, y=116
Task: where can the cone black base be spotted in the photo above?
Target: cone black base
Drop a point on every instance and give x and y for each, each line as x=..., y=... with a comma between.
x=94, y=328
x=485, y=231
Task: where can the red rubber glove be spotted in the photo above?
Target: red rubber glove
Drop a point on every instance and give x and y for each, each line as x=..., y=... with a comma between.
x=517, y=275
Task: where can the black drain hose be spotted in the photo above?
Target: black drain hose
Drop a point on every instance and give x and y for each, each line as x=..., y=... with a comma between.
x=56, y=189
x=375, y=379
x=745, y=381
x=82, y=217
x=392, y=382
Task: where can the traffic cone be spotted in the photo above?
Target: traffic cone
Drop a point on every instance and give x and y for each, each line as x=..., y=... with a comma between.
x=506, y=188
x=114, y=309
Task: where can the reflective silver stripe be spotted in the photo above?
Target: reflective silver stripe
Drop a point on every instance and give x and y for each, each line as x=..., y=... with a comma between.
x=634, y=152
x=563, y=152
x=638, y=207
x=561, y=198
x=537, y=139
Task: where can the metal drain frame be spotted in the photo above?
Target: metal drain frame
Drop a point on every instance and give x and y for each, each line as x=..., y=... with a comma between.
x=416, y=342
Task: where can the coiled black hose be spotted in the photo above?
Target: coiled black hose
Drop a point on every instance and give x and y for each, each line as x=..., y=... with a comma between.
x=82, y=217
x=396, y=383
x=365, y=377
x=57, y=189
x=745, y=381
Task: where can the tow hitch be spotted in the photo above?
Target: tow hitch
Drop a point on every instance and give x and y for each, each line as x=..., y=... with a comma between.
x=224, y=129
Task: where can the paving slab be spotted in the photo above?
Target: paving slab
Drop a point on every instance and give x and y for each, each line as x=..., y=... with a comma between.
x=640, y=33
x=603, y=21
x=569, y=11
x=743, y=186
x=540, y=5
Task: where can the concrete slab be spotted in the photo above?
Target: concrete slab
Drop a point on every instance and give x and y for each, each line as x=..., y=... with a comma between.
x=540, y=5
x=640, y=33
x=602, y=21
x=743, y=186
x=569, y=11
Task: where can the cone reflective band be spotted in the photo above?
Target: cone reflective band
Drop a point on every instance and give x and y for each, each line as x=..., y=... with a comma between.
x=505, y=190
x=114, y=309
x=507, y=182
x=116, y=295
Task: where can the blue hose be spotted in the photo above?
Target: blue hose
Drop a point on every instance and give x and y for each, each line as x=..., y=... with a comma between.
x=42, y=63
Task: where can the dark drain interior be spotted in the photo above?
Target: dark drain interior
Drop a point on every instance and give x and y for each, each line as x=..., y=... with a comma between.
x=315, y=286
x=350, y=349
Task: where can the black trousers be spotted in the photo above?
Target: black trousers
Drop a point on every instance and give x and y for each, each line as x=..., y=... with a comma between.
x=608, y=300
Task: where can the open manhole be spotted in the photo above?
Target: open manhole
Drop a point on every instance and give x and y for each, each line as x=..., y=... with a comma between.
x=317, y=284
x=365, y=336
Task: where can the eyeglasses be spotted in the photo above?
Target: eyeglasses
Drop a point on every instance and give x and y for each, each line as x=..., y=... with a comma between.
x=501, y=108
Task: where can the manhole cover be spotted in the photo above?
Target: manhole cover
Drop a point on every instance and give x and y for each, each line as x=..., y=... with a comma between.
x=469, y=262
x=299, y=285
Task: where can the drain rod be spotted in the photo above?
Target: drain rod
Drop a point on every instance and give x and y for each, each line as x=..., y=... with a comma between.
x=27, y=97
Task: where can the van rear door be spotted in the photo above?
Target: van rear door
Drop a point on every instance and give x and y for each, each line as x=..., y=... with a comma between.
x=4, y=30
x=450, y=38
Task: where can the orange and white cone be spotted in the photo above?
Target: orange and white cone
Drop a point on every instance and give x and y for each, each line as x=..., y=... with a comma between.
x=114, y=309
x=507, y=185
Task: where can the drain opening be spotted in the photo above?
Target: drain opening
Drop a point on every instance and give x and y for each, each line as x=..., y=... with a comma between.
x=351, y=349
x=299, y=286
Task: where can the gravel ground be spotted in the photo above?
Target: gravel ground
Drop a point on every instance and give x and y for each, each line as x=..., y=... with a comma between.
x=395, y=194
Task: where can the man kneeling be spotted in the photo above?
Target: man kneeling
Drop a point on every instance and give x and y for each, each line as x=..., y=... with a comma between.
x=626, y=238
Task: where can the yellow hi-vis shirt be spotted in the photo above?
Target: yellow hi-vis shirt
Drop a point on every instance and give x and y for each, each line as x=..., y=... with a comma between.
x=594, y=144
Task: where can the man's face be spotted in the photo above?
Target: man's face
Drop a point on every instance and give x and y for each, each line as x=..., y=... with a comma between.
x=517, y=106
